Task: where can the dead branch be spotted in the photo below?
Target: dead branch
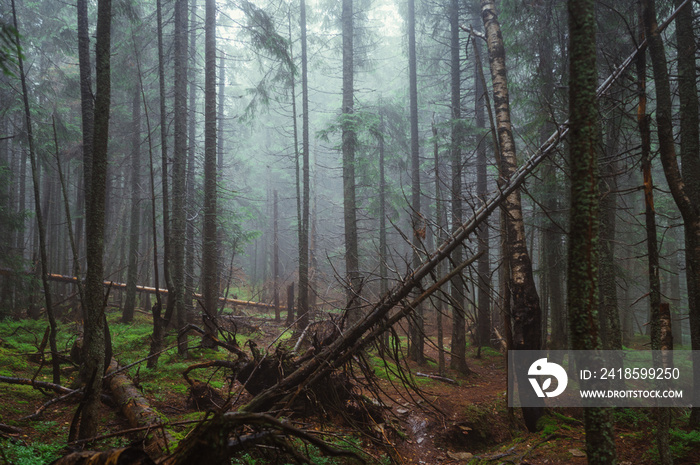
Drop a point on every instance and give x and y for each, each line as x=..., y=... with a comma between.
x=436, y=377
x=209, y=442
x=57, y=388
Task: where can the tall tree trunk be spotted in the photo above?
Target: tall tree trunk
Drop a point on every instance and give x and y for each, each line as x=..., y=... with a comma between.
x=276, y=258
x=210, y=288
x=458, y=360
x=95, y=324
x=690, y=161
x=685, y=185
x=164, y=158
x=526, y=315
x=416, y=332
x=86, y=108
x=303, y=312
x=352, y=265
x=176, y=302
x=134, y=224
x=609, y=315
x=484, y=284
x=56, y=368
x=191, y=163
x=441, y=225
x=583, y=229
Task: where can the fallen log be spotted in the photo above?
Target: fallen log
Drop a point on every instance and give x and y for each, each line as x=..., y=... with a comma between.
x=125, y=456
x=138, y=412
x=436, y=377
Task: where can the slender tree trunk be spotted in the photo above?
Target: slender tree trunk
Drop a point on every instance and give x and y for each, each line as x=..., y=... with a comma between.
x=276, y=258
x=416, y=333
x=527, y=326
x=95, y=343
x=210, y=288
x=583, y=247
x=685, y=185
x=191, y=163
x=352, y=265
x=303, y=311
x=483, y=271
x=441, y=225
x=37, y=203
x=164, y=158
x=690, y=161
x=134, y=224
x=86, y=107
x=176, y=302
x=458, y=360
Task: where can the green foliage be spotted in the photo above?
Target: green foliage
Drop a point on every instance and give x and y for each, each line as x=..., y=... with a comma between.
x=630, y=416
x=18, y=453
x=8, y=48
x=681, y=442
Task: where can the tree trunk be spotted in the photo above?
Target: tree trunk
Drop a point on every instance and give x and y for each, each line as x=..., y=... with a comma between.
x=416, y=324
x=527, y=326
x=583, y=229
x=95, y=343
x=440, y=223
x=191, y=163
x=352, y=265
x=685, y=185
x=458, y=359
x=210, y=288
x=276, y=259
x=86, y=108
x=134, y=224
x=303, y=312
x=483, y=271
x=164, y=154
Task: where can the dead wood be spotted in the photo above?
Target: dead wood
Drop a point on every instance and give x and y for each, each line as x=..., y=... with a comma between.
x=40, y=385
x=125, y=456
x=437, y=378
x=138, y=412
x=209, y=442
x=9, y=429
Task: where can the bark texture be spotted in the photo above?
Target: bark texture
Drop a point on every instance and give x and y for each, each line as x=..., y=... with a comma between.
x=525, y=309
x=584, y=221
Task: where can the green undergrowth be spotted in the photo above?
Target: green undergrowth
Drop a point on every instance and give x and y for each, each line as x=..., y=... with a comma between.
x=29, y=453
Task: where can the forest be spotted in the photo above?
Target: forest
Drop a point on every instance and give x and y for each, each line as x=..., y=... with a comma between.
x=291, y=231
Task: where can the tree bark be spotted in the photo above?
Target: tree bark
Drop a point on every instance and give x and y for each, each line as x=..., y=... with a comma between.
x=352, y=265
x=303, y=311
x=484, y=284
x=191, y=163
x=684, y=185
x=95, y=343
x=526, y=315
x=210, y=270
x=416, y=325
x=458, y=360
x=134, y=224
x=584, y=223
x=86, y=108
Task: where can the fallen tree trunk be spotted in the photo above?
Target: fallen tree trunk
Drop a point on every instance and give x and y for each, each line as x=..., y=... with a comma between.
x=138, y=412
x=125, y=456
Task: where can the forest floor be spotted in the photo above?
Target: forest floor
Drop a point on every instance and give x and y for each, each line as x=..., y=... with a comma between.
x=443, y=423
